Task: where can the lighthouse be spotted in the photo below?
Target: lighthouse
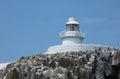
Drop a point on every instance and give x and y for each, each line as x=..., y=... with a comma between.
x=72, y=40
x=72, y=35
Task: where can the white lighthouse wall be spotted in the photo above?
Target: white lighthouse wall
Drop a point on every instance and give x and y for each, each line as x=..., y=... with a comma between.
x=71, y=40
x=75, y=48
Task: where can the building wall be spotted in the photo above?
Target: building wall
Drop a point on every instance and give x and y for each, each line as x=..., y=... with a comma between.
x=71, y=40
x=74, y=48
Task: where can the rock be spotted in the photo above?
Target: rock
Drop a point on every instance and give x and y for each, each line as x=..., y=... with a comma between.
x=64, y=62
x=12, y=75
x=95, y=64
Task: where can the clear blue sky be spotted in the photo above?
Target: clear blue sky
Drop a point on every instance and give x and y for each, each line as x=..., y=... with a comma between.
x=29, y=27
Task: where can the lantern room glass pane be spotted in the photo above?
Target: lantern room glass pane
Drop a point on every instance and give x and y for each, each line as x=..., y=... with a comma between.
x=72, y=27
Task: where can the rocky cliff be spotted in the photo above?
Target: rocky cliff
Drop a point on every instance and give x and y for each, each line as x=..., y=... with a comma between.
x=95, y=64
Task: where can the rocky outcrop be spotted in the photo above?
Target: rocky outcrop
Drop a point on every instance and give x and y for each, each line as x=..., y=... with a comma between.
x=95, y=64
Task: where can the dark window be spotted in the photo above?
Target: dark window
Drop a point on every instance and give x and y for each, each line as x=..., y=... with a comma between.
x=72, y=27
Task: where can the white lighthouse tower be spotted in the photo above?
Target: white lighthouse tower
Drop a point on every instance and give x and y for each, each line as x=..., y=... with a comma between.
x=72, y=34
x=72, y=40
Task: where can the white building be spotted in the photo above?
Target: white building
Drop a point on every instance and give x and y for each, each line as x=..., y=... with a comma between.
x=72, y=40
x=72, y=35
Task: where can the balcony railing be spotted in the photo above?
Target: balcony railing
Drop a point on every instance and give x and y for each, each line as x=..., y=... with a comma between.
x=72, y=33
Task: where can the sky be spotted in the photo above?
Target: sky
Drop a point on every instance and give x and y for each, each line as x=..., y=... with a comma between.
x=30, y=27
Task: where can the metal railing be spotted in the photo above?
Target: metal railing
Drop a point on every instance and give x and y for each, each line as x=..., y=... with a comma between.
x=72, y=33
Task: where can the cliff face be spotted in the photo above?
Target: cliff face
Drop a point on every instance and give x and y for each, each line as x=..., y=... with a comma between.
x=97, y=64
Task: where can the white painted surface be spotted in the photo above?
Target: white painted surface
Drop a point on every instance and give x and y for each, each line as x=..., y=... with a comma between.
x=70, y=41
x=72, y=21
x=72, y=36
x=74, y=48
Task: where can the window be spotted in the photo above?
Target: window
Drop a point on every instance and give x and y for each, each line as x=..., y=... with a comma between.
x=72, y=27
x=67, y=28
